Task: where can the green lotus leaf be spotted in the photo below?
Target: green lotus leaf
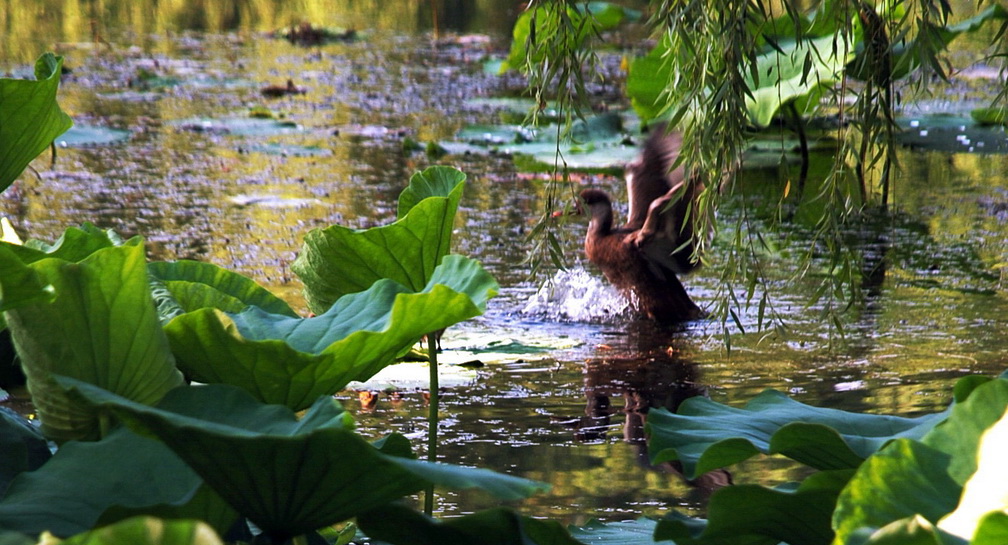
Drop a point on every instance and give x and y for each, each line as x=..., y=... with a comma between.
x=195, y=285
x=149, y=531
x=292, y=361
x=706, y=435
x=914, y=530
x=985, y=491
x=30, y=118
x=647, y=79
x=990, y=116
x=435, y=181
x=756, y=515
x=22, y=447
x=74, y=244
x=904, y=479
x=100, y=327
x=799, y=73
x=288, y=475
x=993, y=530
x=959, y=435
x=900, y=493
x=19, y=283
x=337, y=260
x=600, y=16
x=400, y=525
x=86, y=483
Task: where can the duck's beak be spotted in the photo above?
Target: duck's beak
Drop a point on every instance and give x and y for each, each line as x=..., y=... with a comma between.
x=575, y=210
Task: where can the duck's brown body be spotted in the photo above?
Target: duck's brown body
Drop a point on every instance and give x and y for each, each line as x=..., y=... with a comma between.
x=643, y=257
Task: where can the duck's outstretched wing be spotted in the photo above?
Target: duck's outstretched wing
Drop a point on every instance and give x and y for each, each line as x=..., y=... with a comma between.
x=667, y=237
x=651, y=176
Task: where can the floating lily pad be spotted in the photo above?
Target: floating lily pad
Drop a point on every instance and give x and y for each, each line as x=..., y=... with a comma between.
x=602, y=143
x=272, y=201
x=288, y=150
x=990, y=116
x=90, y=135
x=240, y=126
x=957, y=134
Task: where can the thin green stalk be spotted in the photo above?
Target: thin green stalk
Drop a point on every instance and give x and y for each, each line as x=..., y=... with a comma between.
x=432, y=419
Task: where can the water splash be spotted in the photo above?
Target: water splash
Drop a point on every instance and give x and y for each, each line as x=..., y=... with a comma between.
x=574, y=295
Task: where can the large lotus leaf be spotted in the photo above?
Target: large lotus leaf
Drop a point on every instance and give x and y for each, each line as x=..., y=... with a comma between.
x=587, y=18
x=904, y=479
x=149, y=531
x=337, y=260
x=74, y=244
x=287, y=475
x=706, y=435
x=195, y=285
x=22, y=447
x=435, y=181
x=30, y=118
x=796, y=72
x=915, y=530
x=968, y=421
x=985, y=492
x=400, y=525
x=292, y=361
x=19, y=283
x=101, y=327
x=647, y=79
x=754, y=515
x=85, y=482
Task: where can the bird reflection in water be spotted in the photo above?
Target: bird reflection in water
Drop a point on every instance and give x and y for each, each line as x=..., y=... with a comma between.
x=647, y=370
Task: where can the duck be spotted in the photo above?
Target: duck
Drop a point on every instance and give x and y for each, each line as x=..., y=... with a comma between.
x=644, y=257
x=276, y=91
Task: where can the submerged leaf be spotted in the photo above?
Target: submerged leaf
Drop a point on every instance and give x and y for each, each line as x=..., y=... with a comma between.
x=30, y=118
x=292, y=361
x=101, y=327
x=287, y=475
x=707, y=435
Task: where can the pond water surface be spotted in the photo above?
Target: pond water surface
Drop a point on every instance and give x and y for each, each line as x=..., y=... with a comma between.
x=561, y=401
